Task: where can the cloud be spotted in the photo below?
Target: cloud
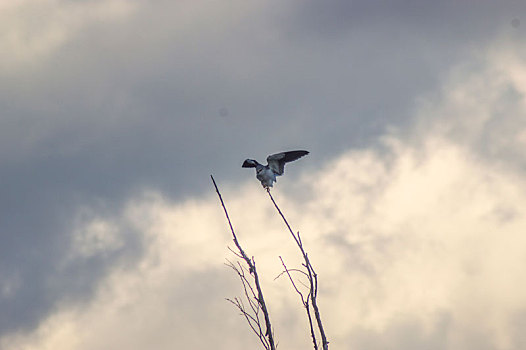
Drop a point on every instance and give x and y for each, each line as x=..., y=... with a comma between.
x=419, y=242
x=31, y=32
x=103, y=101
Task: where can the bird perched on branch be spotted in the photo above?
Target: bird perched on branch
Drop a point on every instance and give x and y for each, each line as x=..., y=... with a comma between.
x=275, y=167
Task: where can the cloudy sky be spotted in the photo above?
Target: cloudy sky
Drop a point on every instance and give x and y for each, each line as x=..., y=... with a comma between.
x=115, y=112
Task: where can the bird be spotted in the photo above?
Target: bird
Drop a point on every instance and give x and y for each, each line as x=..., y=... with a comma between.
x=275, y=166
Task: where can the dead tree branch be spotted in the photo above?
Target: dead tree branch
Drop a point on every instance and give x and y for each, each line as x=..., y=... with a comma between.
x=255, y=298
x=313, y=282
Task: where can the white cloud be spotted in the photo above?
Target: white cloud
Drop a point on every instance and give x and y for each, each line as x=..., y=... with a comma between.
x=483, y=104
x=419, y=244
x=95, y=237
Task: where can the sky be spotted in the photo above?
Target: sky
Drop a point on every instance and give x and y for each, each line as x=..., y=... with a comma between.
x=114, y=114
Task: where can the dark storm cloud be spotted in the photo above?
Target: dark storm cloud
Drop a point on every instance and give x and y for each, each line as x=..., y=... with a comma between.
x=36, y=215
x=443, y=21
x=140, y=103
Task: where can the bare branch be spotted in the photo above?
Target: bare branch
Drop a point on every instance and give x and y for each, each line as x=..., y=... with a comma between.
x=311, y=326
x=267, y=339
x=312, y=277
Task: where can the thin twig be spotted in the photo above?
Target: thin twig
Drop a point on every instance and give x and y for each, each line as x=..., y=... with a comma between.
x=252, y=321
x=291, y=270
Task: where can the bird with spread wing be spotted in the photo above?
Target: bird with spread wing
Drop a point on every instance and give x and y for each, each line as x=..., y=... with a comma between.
x=275, y=167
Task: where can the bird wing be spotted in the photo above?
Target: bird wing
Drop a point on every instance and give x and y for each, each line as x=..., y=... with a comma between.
x=277, y=161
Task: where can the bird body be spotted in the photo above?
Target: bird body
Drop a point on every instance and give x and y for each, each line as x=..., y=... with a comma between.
x=275, y=166
x=265, y=175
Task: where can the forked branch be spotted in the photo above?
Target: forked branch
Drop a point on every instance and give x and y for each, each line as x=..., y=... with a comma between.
x=313, y=282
